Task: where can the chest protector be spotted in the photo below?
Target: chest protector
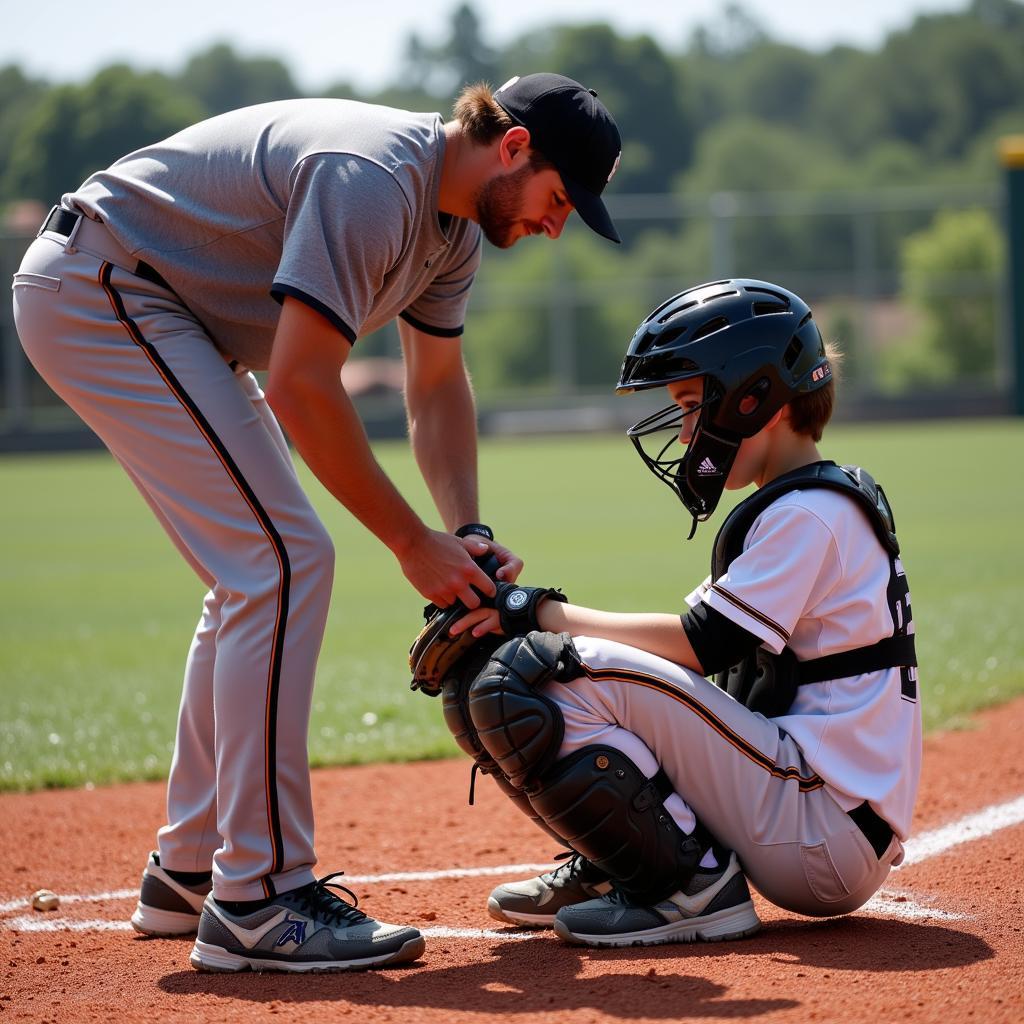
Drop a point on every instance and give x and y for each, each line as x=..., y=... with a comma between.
x=766, y=682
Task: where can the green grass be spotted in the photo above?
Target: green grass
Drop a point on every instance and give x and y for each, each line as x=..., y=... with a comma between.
x=97, y=609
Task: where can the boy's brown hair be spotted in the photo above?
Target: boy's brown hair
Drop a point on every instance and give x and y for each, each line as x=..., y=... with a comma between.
x=809, y=414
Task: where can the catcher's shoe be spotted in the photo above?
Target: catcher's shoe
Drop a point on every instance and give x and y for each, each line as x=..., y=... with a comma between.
x=166, y=907
x=305, y=930
x=714, y=905
x=535, y=901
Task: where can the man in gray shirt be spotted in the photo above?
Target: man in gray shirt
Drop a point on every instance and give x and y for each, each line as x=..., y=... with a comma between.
x=272, y=238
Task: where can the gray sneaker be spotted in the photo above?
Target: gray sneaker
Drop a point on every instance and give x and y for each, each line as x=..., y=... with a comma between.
x=166, y=907
x=305, y=930
x=535, y=901
x=715, y=905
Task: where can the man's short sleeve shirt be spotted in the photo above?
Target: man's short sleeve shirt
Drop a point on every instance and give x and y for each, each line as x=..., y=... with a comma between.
x=331, y=201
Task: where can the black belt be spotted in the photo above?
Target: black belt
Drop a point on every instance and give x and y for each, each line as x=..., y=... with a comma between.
x=876, y=830
x=62, y=222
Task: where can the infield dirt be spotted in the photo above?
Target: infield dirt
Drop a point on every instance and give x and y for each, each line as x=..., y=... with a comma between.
x=946, y=946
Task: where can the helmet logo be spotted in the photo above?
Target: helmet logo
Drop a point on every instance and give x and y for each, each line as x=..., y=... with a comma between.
x=707, y=468
x=821, y=372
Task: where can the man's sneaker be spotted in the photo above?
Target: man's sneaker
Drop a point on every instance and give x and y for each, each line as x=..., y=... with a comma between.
x=535, y=901
x=715, y=905
x=167, y=907
x=308, y=930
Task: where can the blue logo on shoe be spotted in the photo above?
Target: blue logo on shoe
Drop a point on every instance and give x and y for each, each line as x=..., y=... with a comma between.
x=295, y=932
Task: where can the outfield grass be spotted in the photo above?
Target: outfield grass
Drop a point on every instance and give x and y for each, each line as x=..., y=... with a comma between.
x=97, y=609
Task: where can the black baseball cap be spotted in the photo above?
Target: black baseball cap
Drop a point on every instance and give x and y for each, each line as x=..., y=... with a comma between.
x=571, y=127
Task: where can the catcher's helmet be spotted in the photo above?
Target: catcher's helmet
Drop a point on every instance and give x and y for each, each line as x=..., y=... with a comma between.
x=757, y=347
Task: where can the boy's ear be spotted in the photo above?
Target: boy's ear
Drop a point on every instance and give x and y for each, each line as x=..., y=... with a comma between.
x=782, y=414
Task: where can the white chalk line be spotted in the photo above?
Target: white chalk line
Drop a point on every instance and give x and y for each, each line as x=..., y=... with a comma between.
x=973, y=826
x=889, y=903
x=394, y=876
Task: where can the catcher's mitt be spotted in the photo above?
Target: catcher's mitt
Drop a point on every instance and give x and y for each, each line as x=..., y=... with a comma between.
x=434, y=654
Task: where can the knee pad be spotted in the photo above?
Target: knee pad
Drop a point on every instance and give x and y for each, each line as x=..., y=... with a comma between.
x=516, y=724
x=605, y=808
x=455, y=698
x=454, y=703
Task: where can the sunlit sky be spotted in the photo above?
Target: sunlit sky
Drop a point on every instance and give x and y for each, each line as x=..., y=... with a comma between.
x=363, y=42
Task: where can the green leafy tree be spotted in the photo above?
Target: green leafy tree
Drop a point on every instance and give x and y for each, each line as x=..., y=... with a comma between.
x=221, y=80
x=462, y=58
x=638, y=83
x=18, y=97
x=777, y=83
x=948, y=273
x=75, y=130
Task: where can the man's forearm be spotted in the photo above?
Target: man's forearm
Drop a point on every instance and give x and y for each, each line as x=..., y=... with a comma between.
x=442, y=432
x=328, y=434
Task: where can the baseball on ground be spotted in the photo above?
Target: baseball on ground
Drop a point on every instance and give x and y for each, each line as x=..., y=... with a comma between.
x=44, y=899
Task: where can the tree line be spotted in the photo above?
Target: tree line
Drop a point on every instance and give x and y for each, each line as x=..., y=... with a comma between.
x=731, y=108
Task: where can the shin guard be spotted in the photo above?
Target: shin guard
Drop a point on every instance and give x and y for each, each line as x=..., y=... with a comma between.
x=605, y=808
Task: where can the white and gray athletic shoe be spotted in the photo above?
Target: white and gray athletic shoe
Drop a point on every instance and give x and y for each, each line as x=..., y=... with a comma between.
x=309, y=929
x=167, y=908
x=715, y=905
x=535, y=901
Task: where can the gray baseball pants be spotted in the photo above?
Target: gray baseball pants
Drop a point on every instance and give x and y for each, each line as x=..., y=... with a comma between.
x=199, y=441
x=745, y=779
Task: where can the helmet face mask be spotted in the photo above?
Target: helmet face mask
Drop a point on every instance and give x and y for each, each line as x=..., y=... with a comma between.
x=696, y=470
x=755, y=345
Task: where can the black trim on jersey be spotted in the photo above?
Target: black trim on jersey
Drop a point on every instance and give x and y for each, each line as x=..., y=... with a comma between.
x=748, y=609
x=716, y=639
x=276, y=541
x=279, y=291
x=807, y=783
x=438, y=332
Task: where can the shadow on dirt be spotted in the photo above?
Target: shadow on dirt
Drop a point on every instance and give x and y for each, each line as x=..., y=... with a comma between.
x=544, y=975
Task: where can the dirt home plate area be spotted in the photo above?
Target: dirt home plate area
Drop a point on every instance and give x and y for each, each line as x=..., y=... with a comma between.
x=942, y=942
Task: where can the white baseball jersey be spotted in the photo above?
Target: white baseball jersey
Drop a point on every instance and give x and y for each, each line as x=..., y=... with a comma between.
x=812, y=577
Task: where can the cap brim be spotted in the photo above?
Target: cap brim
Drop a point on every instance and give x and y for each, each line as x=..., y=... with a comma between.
x=591, y=209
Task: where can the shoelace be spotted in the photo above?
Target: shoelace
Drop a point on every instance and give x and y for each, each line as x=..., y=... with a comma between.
x=326, y=906
x=574, y=864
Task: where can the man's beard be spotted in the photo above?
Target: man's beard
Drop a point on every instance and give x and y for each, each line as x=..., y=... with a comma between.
x=499, y=203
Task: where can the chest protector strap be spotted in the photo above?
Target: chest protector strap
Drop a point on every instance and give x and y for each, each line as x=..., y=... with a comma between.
x=766, y=682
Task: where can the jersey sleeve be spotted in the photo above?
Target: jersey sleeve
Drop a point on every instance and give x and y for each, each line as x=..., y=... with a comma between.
x=790, y=559
x=441, y=308
x=345, y=228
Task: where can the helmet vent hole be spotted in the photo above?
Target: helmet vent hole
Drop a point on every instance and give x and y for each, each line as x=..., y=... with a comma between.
x=709, y=327
x=792, y=353
x=763, y=308
x=678, y=311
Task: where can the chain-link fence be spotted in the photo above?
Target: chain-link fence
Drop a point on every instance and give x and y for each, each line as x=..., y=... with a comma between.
x=908, y=281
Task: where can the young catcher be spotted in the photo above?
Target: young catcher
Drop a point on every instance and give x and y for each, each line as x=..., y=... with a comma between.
x=798, y=766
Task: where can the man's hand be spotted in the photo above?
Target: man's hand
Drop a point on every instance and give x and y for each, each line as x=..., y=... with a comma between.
x=441, y=567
